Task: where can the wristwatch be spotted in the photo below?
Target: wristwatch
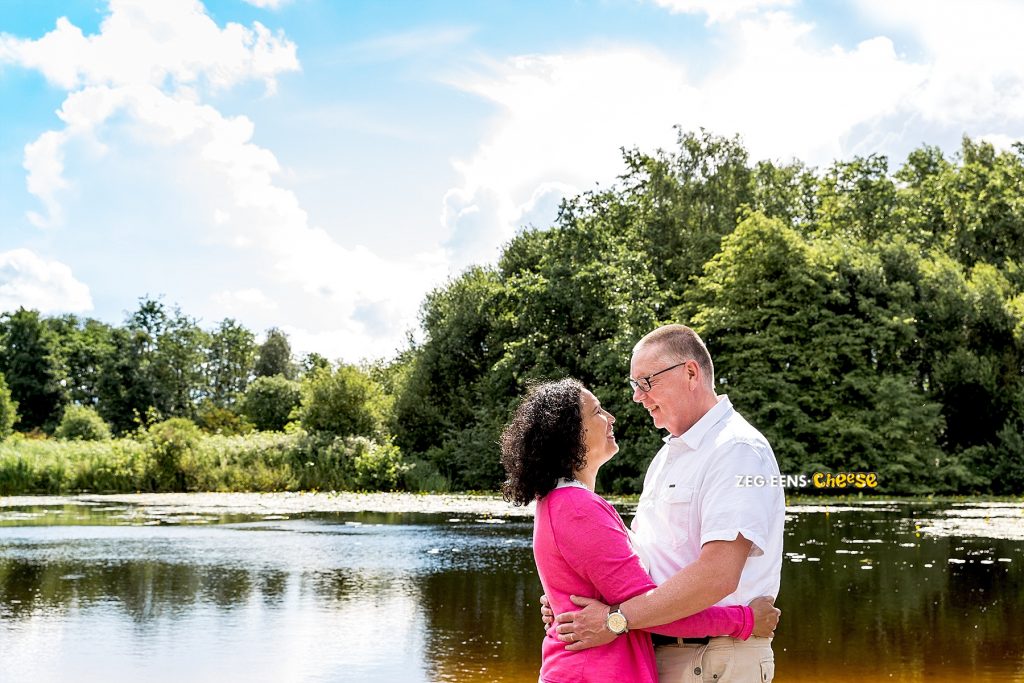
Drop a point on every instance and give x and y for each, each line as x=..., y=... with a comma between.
x=616, y=621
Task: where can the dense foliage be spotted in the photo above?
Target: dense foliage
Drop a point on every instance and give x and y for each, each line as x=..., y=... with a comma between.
x=8, y=410
x=863, y=319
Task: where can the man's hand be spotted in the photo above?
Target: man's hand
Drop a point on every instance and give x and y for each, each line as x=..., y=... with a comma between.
x=546, y=614
x=586, y=628
x=766, y=616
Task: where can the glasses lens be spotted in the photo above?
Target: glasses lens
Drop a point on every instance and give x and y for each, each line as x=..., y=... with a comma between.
x=643, y=384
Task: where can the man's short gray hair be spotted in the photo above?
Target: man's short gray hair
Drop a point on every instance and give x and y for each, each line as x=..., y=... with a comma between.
x=682, y=343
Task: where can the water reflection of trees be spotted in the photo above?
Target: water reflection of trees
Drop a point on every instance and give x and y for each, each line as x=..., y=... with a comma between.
x=479, y=605
x=483, y=625
x=843, y=622
x=144, y=590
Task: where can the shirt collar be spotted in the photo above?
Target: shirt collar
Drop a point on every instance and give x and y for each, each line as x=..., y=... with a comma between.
x=692, y=437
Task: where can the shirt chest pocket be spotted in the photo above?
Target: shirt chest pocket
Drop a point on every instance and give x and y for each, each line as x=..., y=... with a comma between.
x=676, y=507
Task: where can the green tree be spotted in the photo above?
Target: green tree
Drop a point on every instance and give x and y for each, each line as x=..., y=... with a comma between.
x=230, y=362
x=82, y=347
x=440, y=388
x=181, y=352
x=125, y=395
x=344, y=402
x=971, y=207
x=154, y=368
x=29, y=363
x=314, y=361
x=683, y=203
x=274, y=356
x=8, y=410
x=269, y=402
x=804, y=339
x=856, y=200
x=788, y=192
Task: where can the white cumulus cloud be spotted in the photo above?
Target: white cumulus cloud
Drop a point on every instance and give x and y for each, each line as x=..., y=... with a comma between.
x=975, y=57
x=562, y=118
x=789, y=93
x=28, y=280
x=165, y=44
x=136, y=92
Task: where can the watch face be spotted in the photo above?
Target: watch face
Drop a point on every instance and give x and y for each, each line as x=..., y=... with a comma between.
x=616, y=622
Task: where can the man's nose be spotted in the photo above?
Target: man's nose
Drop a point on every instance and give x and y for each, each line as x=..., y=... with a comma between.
x=638, y=395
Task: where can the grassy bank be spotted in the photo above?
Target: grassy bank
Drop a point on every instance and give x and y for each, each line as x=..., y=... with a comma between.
x=178, y=457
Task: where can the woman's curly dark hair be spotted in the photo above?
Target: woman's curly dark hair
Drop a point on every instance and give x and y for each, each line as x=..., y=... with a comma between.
x=544, y=440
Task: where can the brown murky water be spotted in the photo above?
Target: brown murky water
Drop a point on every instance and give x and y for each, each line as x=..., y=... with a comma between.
x=103, y=590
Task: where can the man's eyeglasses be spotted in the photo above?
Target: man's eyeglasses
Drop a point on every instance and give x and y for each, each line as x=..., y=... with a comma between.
x=644, y=383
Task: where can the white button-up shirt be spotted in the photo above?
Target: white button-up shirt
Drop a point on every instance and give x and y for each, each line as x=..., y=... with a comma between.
x=701, y=487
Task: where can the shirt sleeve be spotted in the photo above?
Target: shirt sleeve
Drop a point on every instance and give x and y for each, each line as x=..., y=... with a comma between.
x=591, y=537
x=737, y=497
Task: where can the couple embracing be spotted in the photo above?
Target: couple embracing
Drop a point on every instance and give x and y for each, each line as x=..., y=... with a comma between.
x=686, y=594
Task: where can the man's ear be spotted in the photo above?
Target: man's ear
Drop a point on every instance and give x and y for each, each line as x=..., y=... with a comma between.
x=692, y=374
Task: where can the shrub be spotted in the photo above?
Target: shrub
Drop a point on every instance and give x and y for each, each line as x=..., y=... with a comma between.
x=269, y=401
x=82, y=423
x=378, y=467
x=30, y=465
x=171, y=445
x=213, y=419
x=345, y=402
x=258, y=461
x=423, y=477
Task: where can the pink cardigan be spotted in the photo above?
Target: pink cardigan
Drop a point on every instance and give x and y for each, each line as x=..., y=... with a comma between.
x=581, y=548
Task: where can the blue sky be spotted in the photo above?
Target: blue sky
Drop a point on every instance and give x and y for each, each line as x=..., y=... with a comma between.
x=320, y=166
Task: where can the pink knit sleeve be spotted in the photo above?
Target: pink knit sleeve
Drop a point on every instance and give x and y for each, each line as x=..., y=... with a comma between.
x=736, y=621
x=591, y=537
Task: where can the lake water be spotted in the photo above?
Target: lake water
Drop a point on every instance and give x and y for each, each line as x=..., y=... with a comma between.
x=91, y=591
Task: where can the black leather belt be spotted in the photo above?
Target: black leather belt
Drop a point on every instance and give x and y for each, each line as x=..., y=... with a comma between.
x=659, y=639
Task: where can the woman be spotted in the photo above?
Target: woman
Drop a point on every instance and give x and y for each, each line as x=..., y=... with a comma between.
x=558, y=439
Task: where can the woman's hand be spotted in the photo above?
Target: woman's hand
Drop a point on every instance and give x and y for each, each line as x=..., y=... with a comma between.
x=766, y=616
x=546, y=613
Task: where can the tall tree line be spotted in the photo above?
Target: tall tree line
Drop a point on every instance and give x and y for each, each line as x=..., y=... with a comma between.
x=864, y=319
x=159, y=364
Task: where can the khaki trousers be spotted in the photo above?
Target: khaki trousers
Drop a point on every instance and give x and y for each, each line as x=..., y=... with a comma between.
x=723, y=660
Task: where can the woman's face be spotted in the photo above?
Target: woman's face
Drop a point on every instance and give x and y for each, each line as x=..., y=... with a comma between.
x=597, y=431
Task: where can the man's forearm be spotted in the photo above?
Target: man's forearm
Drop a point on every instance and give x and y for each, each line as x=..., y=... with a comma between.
x=714, y=575
x=687, y=592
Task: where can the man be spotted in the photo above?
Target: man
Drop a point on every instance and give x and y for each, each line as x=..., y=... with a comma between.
x=708, y=524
